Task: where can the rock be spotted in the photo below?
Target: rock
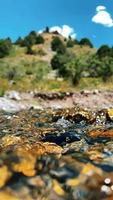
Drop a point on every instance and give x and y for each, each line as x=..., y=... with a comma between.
x=110, y=113
x=101, y=133
x=57, y=188
x=13, y=95
x=5, y=175
x=7, y=195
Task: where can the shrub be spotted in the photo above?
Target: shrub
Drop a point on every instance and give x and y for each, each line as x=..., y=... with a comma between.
x=58, y=60
x=57, y=45
x=106, y=69
x=39, y=39
x=19, y=41
x=70, y=43
x=46, y=29
x=86, y=42
x=73, y=70
x=103, y=51
x=5, y=47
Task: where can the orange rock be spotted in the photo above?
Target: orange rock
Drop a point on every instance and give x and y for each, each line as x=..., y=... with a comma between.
x=57, y=188
x=26, y=164
x=7, y=196
x=73, y=182
x=95, y=155
x=5, y=174
x=90, y=169
x=110, y=113
x=101, y=133
x=46, y=148
x=10, y=140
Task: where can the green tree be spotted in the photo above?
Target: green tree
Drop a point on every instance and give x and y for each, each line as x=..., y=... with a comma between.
x=103, y=51
x=86, y=42
x=74, y=70
x=57, y=45
x=5, y=47
x=106, y=69
x=93, y=66
x=70, y=43
x=29, y=41
x=59, y=60
x=39, y=39
x=46, y=29
x=19, y=41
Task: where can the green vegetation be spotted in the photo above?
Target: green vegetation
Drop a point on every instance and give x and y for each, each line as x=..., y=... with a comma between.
x=5, y=47
x=58, y=45
x=86, y=42
x=29, y=62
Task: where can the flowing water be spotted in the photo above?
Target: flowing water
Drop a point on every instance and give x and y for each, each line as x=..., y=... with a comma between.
x=56, y=154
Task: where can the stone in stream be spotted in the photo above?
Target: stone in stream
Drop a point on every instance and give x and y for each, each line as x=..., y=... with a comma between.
x=56, y=154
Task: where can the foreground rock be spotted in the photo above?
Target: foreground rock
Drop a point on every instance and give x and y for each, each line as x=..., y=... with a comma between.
x=56, y=154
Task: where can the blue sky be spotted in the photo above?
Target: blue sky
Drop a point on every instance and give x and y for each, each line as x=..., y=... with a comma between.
x=88, y=18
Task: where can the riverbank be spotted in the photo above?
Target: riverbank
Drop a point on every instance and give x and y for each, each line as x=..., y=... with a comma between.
x=95, y=99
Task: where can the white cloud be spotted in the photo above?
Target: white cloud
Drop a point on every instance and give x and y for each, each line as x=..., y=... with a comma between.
x=65, y=31
x=103, y=17
x=99, y=8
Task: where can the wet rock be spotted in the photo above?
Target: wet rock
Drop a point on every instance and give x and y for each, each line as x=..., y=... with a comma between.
x=56, y=154
x=101, y=133
x=62, y=138
x=57, y=188
x=5, y=175
x=63, y=173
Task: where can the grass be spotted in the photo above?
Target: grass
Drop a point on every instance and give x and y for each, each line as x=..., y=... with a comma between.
x=30, y=72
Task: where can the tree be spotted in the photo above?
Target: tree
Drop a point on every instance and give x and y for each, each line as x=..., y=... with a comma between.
x=86, y=42
x=29, y=50
x=59, y=60
x=103, y=51
x=106, y=69
x=19, y=41
x=39, y=39
x=28, y=41
x=93, y=66
x=57, y=45
x=73, y=70
x=70, y=43
x=46, y=29
x=5, y=47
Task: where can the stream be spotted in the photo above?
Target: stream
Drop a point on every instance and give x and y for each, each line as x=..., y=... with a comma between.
x=56, y=154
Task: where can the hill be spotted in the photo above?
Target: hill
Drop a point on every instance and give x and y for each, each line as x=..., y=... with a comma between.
x=25, y=70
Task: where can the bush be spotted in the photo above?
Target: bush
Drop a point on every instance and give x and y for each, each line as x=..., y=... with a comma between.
x=39, y=39
x=104, y=51
x=30, y=51
x=57, y=45
x=19, y=41
x=106, y=69
x=46, y=29
x=73, y=70
x=59, y=60
x=86, y=42
x=28, y=41
x=11, y=74
x=70, y=43
x=100, y=67
x=5, y=47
